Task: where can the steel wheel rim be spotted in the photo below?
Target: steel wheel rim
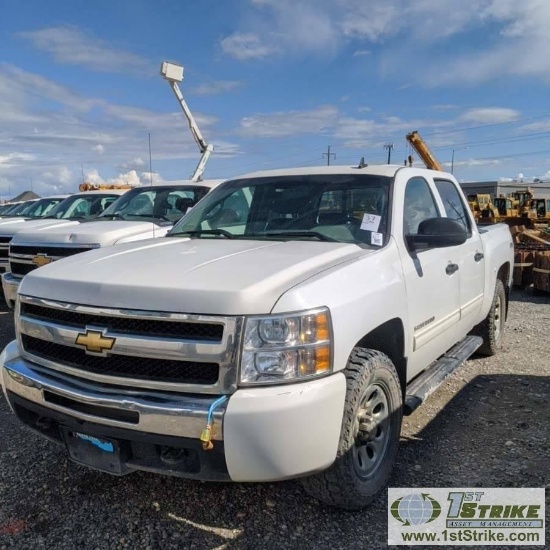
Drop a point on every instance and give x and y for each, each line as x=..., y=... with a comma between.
x=497, y=318
x=372, y=431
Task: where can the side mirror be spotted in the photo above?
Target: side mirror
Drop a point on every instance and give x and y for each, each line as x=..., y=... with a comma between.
x=437, y=233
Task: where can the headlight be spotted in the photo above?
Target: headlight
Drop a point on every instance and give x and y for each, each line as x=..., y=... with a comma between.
x=287, y=348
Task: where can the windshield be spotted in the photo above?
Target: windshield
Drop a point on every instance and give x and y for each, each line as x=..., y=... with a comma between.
x=85, y=207
x=18, y=209
x=158, y=203
x=40, y=208
x=340, y=207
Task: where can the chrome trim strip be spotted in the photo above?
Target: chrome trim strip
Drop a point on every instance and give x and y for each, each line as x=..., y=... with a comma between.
x=59, y=245
x=226, y=353
x=166, y=414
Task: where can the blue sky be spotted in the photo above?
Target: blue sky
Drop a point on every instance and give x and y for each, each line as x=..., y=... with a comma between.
x=272, y=83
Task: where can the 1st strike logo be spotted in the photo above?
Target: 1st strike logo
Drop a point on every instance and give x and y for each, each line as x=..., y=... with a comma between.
x=95, y=342
x=41, y=259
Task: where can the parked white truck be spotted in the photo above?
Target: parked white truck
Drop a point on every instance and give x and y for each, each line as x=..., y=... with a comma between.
x=142, y=213
x=280, y=330
x=60, y=210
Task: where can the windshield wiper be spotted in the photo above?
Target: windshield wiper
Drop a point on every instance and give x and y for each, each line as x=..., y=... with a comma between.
x=221, y=232
x=115, y=216
x=315, y=234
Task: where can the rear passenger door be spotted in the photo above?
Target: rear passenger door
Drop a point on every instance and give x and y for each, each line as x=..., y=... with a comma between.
x=470, y=257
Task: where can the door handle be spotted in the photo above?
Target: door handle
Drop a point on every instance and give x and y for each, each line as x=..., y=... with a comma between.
x=451, y=268
x=478, y=256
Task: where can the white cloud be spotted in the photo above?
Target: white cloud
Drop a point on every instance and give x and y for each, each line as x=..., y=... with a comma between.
x=71, y=45
x=289, y=123
x=98, y=148
x=245, y=46
x=490, y=115
x=361, y=53
x=14, y=159
x=216, y=87
x=511, y=36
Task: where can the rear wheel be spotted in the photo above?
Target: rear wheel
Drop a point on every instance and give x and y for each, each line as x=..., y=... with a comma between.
x=370, y=434
x=491, y=329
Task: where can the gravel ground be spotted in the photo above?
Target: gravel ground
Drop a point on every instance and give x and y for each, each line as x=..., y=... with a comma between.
x=487, y=426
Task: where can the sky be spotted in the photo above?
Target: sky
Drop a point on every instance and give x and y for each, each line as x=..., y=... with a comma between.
x=272, y=84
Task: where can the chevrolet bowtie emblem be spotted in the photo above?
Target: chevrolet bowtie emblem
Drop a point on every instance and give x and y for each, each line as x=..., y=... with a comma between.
x=94, y=341
x=41, y=259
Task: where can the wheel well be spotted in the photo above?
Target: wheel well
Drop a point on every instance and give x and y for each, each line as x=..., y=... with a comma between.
x=389, y=338
x=503, y=275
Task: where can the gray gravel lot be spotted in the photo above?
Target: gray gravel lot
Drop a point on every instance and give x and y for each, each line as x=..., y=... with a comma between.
x=487, y=426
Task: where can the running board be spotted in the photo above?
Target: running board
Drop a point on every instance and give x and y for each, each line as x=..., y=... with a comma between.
x=433, y=376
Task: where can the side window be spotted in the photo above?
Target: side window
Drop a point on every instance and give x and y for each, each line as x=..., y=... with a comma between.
x=419, y=205
x=453, y=204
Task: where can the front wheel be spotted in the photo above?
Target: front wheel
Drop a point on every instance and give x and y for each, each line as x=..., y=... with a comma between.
x=369, y=438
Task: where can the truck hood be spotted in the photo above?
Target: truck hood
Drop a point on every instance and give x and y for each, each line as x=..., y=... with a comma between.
x=104, y=233
x=15, y=227
x=4, y=221
x=208, y=276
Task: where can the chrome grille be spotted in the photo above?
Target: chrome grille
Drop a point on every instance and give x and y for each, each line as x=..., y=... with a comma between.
x=22, y=257
x=144, y=368
x=4, y=247
x=126, y=325
x=153, y=350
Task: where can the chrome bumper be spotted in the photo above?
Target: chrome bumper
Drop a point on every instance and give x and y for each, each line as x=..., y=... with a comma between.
x=150, y=412
x=10, y=284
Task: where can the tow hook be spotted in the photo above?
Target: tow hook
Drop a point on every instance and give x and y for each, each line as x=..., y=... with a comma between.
x=206, y=435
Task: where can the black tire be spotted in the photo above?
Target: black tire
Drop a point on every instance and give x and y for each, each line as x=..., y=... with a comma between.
x=491, y=329
x=355, y=478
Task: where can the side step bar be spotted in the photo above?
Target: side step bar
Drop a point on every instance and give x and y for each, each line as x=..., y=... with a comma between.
x=433, y=376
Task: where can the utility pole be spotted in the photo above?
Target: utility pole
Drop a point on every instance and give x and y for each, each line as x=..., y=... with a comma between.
x=150, y=162
x=389, y=147
x=328, y=155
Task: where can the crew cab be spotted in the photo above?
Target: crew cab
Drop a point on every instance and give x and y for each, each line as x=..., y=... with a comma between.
x=280, y=330
x=142, y=213
x=54, y=212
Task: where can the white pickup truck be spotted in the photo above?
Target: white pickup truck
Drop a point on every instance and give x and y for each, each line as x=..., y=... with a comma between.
x=280, y=330
x=142, y=213
x=53, y=212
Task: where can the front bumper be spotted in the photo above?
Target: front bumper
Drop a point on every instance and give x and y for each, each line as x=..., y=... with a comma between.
x=10, y=284
x=259, y=434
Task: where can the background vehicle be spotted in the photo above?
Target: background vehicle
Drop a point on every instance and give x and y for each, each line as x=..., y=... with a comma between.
x=141, y=213
x=281, y=330
x=54, y=211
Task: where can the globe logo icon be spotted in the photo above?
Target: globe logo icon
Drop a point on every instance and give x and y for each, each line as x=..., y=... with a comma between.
x=415, y=509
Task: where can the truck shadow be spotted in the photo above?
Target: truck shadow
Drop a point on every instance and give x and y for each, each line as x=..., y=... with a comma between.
x=492, y=433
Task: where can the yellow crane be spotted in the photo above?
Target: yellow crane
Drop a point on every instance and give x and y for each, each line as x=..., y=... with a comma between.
x=423, y=151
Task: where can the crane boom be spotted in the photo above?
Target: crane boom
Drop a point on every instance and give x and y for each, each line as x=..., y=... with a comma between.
x=423, y=151
x=174, y=74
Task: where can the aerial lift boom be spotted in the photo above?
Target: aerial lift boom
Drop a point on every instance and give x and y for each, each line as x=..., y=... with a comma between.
x=174, y=74
x=423, y=151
